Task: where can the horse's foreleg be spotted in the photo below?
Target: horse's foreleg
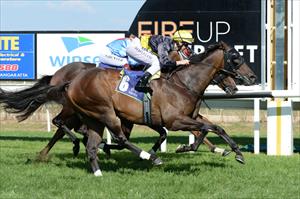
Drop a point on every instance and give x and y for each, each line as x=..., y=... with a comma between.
x=213, y=148
x=203, y=125
x=186, y=123
x=210, y=145
x=221, y=133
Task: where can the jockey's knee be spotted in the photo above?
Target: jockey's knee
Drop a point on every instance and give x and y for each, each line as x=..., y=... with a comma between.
x=155, y=66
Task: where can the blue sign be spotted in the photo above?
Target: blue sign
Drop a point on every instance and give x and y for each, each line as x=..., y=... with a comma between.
x=17, y=56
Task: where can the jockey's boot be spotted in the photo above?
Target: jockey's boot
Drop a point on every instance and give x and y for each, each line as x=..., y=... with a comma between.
x=142, y=86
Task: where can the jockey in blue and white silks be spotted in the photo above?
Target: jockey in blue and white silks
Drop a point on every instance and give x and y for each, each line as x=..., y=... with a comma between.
x=127, y=51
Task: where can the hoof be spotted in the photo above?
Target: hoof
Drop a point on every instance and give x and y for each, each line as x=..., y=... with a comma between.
x=41, y=157
x=179, y=149
x=226, y=153
x=152, y=152
x=29, y=161
x=157, y=162
x=76, y=147
x=97, y=173
x=182, y=149
x=240, y=159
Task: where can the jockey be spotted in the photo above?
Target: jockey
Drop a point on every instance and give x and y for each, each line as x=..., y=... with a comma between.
x=115, y=53
x=162, y=45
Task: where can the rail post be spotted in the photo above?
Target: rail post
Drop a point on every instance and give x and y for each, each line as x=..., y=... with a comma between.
x=279, y=127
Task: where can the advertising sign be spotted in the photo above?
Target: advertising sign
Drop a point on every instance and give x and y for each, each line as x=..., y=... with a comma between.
x=55, y=50
x=17, y=56
x=236, y=22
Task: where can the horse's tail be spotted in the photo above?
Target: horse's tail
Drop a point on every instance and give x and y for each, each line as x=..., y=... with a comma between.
x=26, y=101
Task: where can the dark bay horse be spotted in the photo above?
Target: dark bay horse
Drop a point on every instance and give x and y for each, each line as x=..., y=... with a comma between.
x=93, y=96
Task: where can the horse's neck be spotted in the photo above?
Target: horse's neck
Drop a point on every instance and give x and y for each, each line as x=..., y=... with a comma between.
x=198, y=76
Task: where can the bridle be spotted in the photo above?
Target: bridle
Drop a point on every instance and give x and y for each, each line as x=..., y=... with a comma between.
x=230, y=67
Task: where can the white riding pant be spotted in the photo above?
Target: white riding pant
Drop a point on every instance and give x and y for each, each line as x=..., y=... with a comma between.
x=107, y=57
x=144, y=57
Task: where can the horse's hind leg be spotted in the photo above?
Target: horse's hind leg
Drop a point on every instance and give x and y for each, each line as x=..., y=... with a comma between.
x=59, y=134
x=66, y=121
x=126, y=128
x=92, y=145
x=162, y=137
x=113, y=123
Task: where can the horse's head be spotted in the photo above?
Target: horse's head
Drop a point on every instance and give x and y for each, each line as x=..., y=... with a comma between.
x=226, y=83
x=235, y=66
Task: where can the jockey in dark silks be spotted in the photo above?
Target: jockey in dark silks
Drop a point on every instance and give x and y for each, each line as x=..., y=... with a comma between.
x=161, y=46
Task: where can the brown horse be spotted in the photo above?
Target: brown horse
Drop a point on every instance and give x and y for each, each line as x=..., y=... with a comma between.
x=99, y=105
x=92, y=94
x=68, y=73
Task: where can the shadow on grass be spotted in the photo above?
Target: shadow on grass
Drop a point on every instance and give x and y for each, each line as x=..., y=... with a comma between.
x=31, y=138
x=126, y=162
x=151, y=139
x=245, y=143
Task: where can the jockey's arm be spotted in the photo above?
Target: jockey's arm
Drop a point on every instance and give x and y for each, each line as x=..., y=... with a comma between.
x=163, y=55
x=167, y=64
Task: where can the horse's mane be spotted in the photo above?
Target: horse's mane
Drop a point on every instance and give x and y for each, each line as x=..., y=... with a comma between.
x=196, y=58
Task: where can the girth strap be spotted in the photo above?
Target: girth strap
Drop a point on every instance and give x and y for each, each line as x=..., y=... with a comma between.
x=147, y=109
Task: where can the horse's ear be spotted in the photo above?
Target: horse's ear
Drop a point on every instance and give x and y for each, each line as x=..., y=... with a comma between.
x=222, y=43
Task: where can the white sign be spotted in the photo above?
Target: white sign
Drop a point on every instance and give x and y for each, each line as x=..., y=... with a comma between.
x=55, y=50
